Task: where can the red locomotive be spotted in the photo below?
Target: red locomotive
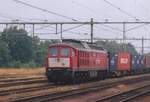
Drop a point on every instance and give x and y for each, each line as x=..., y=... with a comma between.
x=72, y=60
x=77, y=61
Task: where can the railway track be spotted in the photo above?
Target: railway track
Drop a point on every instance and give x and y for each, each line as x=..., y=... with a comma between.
x=128, y=95
x=4, y=76
x=12, y=76
x=57, y=95
x=136, y=96
x=26, y=89
x=21, y=79
x=24, y=81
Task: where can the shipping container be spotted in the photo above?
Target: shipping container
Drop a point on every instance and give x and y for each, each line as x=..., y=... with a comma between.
x=147, y=61
x=137, y=62
x=113, y=62
x=124, y=61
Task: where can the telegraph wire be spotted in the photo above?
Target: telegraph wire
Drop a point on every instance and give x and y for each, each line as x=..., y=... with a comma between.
x=45, y=10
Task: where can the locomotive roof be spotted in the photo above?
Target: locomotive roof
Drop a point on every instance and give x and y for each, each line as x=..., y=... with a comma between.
x=75, y=43
x=81, y=45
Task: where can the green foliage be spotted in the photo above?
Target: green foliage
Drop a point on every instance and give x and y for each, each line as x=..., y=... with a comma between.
x=17, y=49
x=14, y=64
x=41, y=52
x=114, y=47
x=30, y=64
x=18, y=64
x=19, y=43
x=4, y=53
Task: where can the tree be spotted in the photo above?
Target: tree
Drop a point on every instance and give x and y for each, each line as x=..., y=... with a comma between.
x=114, y=47
x=19, y=43
x=4, y=54
x=41, y=51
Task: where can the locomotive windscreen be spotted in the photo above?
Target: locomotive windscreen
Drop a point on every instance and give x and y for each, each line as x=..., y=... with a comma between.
x=65, y=52
x=53, y=52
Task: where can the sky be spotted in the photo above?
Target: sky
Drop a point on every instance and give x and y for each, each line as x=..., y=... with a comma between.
x=82, y=10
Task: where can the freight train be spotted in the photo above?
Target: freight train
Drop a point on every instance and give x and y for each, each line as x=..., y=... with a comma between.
x=78, y=61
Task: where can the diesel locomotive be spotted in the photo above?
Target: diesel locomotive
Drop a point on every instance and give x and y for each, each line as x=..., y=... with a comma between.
x=77, y=61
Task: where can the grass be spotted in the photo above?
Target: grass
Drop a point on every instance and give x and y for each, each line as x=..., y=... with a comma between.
x=22, y=71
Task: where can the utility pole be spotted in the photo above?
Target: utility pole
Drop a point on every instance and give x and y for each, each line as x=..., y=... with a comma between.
x=56, y=28
x=33, y=30
x=24, y=26
x=6, y=31
x=92, y=30
x=124, y=35
x=142, y=45
x=61, y=37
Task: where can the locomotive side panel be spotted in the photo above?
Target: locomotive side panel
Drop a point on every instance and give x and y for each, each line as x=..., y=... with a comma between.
x=83, y=60
x=92, y=60
x=74, y=59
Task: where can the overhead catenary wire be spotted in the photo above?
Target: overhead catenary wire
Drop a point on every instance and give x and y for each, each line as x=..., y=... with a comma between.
x=45, y=10
x=139, y=26
x=93, y=12
x=143, y=7
x=121, y=10
x=51, y=12
x=71, y=28
x=117, y=29
x=106, y=29
x=84, y=6
x=65, y=30
x=6, y=17
x=17, y=18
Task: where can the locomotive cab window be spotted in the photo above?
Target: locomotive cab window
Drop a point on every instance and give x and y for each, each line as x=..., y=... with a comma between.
x=65, y=52
x=53, y=51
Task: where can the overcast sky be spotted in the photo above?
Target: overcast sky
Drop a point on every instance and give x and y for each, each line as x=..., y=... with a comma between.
x=83, y=10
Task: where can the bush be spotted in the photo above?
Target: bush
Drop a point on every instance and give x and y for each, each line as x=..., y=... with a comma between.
x=16, y=64
x=30, y=64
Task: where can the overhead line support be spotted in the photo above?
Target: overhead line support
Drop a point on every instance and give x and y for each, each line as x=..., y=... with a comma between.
x=73, y=23
x=92, y=30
